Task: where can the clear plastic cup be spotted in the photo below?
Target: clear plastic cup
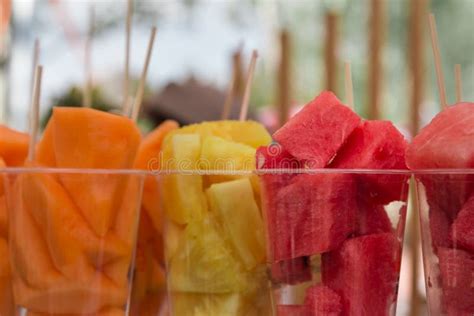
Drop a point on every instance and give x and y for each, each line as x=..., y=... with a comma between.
x=334, y=239
x=446, y=204
x=72, y=238
x=214, y=244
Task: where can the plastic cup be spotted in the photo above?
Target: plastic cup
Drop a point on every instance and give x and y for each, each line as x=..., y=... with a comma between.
x=72, y=238
x=214, y=244
x=446, y=204
x=334, y=239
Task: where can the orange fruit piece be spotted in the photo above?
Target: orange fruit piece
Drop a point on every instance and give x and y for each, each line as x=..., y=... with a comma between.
x=86, y=138
x=13, y=146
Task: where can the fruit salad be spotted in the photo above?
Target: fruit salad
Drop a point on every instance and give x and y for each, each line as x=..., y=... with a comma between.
x=446, y=203
x=73, y=232
x=334, y=235
x=214, y=231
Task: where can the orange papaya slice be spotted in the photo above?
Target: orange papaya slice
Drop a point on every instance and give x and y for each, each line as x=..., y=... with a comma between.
x=3, y=217
x=105, y=312
x=86, y=138
x=7, y=307
x=4, y=262
x=70, y=297
x=28, y=245
x=148, y=158
x=13, y=146
x=68, y=236
x=45, y=154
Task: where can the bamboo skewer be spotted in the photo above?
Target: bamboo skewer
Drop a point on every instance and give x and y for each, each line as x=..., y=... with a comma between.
x=458, y=77
x=284, y=78
x=35, y=61
x=437, y=60
x=87, y=99
x=126, y=79
x=141, y=86
x=348, y=85
x=248, y=87
x=34, y=111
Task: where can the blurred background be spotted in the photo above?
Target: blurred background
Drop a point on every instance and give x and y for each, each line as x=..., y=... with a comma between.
x=201, y=45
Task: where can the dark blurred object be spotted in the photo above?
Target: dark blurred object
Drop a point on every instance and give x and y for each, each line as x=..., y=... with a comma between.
x=189, y=102
x=73, y=98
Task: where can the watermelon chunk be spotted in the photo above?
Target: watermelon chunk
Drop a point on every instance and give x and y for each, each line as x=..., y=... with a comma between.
x=313, y=214
x=462, y=230
x=275, y=156
x=291, y=271
x=376, y=145
x=321, y=300
x=372, y=218
x=292, y=310
x=446, y=142
x=457, y=276
x=364, y=272
x=315, y=134
x=440, y=225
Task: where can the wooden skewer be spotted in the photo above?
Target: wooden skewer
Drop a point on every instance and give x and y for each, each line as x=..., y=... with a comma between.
x=34, y=111
x=141, y=86
x=458, y=75
x=248, y=87
x=36, y=53
x=126, y=80
x=348, y=85
x=437, y=60
x=229, y=98
x=87, y=99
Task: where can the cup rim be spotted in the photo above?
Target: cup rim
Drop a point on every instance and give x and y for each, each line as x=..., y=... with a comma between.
x=22, y=170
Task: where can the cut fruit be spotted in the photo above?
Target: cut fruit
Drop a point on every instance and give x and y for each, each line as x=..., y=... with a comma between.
x=220, y=154
x=293, y=310
x=203, y=262
x=45, y=152
x=312, y=215
x=233, y=204
x=70, y=297
x=183, y=196
x=372, y=218
x=315, y=134
x=206, y=304
x=451, y=129
x=457, y=276
x=462, y=230
x=68, y=236
x=13, y=146
x=3, y=216
x=440, y=227
x=104, y=312
x=85, y=138
x=4, y=262
x=321, y=300
x=364, y=272
x=291, y=271
x=376, y=145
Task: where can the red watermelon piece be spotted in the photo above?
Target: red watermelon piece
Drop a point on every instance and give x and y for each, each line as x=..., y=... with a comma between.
x=446, y=142
x=321, y=300
x=457, y=276
x=372, y=218
x=440, y=226
x=315, y=213
x=315, y=134
x=462, y=230
x=292, y=271
x=376, y=145
x=292, y=310
x=364, y=271
x=275, y=156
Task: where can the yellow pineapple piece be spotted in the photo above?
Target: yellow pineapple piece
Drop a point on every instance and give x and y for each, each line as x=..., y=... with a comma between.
x=203, y=262
x=221, y=154
x=183, y=196
x=187, y=304
x=234, y=205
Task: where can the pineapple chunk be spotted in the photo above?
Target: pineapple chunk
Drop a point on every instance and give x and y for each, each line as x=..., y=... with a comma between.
x=220, y=154
x=203, y=262
x=234, y=205
x=206, y=304
x=183, y=197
